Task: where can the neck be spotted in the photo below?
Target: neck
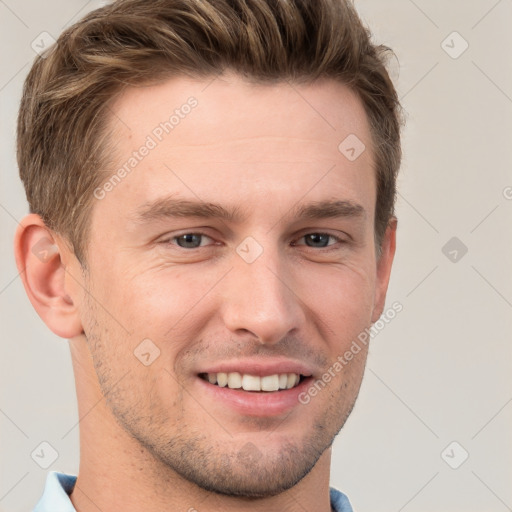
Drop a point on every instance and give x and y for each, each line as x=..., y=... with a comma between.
x=117, y=473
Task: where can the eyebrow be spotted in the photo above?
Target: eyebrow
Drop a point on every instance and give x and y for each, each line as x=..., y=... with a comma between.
x=171, y=207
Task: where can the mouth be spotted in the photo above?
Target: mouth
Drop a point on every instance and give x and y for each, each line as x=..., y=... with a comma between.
x=255, y=383
x=255, y=387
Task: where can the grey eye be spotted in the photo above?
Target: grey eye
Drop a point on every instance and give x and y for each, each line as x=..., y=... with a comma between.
x=189, y=240
x=317, y=239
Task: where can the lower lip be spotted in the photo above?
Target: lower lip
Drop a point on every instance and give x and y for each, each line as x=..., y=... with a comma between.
x=256, y=403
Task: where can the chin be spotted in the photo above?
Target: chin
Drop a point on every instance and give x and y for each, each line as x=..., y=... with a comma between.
x=250, y=472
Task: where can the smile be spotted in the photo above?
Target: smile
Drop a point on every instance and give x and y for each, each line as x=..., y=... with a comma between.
x=248, y=382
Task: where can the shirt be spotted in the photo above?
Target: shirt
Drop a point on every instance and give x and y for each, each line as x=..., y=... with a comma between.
x=59, y=486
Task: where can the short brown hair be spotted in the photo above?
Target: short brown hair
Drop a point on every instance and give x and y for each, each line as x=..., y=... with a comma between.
x=64, y=110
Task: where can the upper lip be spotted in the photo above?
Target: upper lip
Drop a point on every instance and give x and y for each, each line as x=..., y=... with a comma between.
x=260, y=367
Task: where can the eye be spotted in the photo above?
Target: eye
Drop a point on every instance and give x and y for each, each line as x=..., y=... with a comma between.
x=320, y=240
x=189, y=240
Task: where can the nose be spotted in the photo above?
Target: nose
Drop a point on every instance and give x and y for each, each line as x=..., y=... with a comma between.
x=259, y=298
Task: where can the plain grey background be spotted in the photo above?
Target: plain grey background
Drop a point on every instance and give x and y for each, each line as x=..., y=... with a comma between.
x=437, y=388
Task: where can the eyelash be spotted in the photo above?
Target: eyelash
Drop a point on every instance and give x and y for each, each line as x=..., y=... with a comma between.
x=200, y=233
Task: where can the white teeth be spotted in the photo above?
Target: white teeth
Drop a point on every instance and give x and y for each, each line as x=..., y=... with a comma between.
x=270, y=383
x=234, y=380
x=291, y=380
x=251, y=383
x=222, y=379
x=247, y=382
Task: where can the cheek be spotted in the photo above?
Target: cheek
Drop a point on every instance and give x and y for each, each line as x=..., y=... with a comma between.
x=143, y=298
x=342, y=296
x=168, y=305
x=158, y=299
x=163, y=300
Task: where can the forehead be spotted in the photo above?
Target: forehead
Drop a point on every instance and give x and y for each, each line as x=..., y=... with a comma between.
x=208, y=137
x=324, y=111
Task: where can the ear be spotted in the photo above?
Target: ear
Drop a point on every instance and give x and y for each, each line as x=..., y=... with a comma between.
x=384, y=264
x=41, y=258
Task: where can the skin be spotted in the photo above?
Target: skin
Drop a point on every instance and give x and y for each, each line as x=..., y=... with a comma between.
x=150, y=438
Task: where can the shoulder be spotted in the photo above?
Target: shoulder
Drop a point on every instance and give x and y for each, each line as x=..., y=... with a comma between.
x=339, y=501
x=56, y=493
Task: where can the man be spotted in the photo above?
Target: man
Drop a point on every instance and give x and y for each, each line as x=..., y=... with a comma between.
x=212, y=188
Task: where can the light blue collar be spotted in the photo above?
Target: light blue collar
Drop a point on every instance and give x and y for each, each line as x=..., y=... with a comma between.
x=59, y=486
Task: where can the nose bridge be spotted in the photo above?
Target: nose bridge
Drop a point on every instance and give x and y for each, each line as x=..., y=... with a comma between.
x=260, y=298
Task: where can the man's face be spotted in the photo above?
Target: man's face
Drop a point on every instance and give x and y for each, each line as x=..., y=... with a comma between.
x=266, y=292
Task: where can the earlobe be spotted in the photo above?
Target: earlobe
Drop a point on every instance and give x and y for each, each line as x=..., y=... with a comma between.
x=40, y=258
x=384, y=264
